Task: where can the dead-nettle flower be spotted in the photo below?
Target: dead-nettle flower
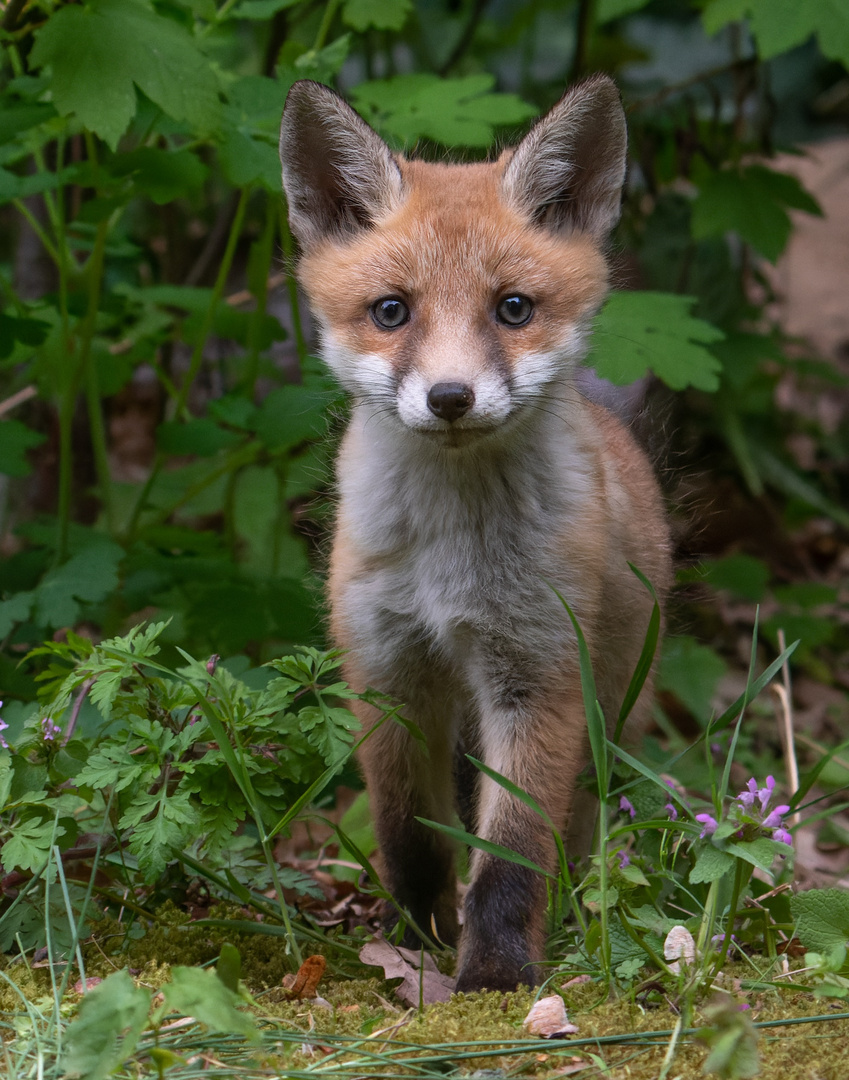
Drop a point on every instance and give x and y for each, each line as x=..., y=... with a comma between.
x=627, y=806
x=671, y=812
x=709, y=824
x=754, y=802
x=3, y=727
x=49, y=729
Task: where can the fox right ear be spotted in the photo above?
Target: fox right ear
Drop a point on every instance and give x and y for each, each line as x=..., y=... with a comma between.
x=339, y=175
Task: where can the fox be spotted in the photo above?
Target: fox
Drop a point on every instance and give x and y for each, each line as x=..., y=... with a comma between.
x=475, y=483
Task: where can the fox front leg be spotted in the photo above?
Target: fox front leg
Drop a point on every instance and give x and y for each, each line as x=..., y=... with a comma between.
x=541, y=751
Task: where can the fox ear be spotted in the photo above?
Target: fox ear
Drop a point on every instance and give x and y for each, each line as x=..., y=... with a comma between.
x=338, y=175
x=568, y=171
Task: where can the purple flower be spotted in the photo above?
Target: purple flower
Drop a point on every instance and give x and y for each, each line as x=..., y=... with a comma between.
x=747, y=798
x=672, y=813
x=624, y=859
x=626, y=805
x=773, y=819
x=709, y=824
x=3, y=727
x=782, y=836
x=49, y=729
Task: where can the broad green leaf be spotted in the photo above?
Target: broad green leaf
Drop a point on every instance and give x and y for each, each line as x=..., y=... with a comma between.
x=638, y=332
x=711, y=864
x=28, y=331
x=753, y=203
x=100, y=52
x=456, y=112
x=87, y=577
x=198, y=992
x=780, y=25
x=202, y=437
x=259, y=9
x=760, y=852
x=381, y=14
x=28, y=845
x=822, y=918
x=163, y=175
x=110, y=1019
x=691, y=672
x=15, y=440
x=608, y=10
x=290, y=415
x=17, y=118
x=743, y=576
x=15, y=610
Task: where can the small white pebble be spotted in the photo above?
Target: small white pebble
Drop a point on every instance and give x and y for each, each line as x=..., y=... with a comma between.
x=679, y=945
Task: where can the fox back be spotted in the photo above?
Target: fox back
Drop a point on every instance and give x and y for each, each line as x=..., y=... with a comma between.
x=475, y=484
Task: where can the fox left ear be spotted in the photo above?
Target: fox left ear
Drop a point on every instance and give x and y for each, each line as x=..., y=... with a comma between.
x=568, y=171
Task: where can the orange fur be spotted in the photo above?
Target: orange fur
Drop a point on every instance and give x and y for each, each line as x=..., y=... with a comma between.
x=473, y=477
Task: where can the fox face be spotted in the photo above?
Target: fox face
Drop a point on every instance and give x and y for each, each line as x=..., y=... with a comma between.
x=456, y=315
x=454, y=302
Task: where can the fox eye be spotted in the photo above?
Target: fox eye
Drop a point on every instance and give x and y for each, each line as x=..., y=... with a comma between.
x=514, y=310
x=389, y=312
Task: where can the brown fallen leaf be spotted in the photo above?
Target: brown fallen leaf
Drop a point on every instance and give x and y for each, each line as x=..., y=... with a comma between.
x=548, y=1019
x=305, y=983
x=420, y=981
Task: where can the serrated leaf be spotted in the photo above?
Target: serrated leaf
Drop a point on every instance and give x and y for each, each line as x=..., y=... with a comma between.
x=822, y=918
x=691, y=671
x=87, y=577
x=15, y=440
x=711, y=864
x=163, y=175
x=456, y=112
x=637, y=332
x=290, y=415
x=780, y=25
x=99, y=54
x=753, y=203
x=381, y=14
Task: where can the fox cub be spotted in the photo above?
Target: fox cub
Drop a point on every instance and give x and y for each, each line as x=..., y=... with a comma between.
x=454, y=303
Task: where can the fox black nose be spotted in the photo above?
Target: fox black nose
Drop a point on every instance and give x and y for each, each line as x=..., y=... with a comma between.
x=450, y=400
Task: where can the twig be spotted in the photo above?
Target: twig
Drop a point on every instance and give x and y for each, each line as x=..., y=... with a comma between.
x=75, y=712
x=17, y=399
x=782, y=691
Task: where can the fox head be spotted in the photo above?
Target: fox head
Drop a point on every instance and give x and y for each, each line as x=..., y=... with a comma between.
x=454, y=298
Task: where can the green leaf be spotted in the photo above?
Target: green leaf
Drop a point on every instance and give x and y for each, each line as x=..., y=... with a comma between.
x=87, y=577
x=200, y=993
x=711, y=864
x=497, y=850
x=753, y=203
x=163, y=175
x=259, y=9
x=608, y=10
x=822, y=918
x=28, y=845
x=456, y=112
x=760, y=853
x=638, y=332
x=106, y=1031
x=743, y=576
x=381, y=14
x=691, y=672
x=780, y=25
x=99, y=54
x=201, y=437
x=291, y=415
x=28, y=331
x=15, y=440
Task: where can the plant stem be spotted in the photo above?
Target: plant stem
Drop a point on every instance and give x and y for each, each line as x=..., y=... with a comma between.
x=288, y=246
x=583, y=34
x=742, y=873
x=263, y=251
x=326, y=22
x=217, y=290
